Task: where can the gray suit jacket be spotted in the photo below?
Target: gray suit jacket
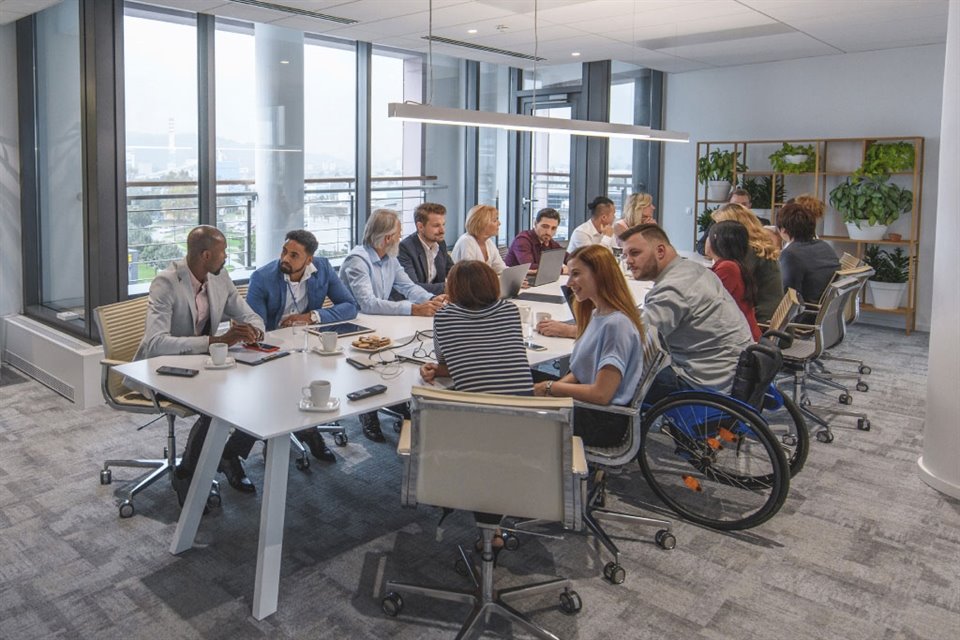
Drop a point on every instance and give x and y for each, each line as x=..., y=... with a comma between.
x=172, y=309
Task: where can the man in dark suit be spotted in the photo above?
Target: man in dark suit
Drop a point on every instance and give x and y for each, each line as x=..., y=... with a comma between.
x=423, y=254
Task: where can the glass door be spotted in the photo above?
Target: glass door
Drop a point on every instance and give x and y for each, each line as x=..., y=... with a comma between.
x=545, y=166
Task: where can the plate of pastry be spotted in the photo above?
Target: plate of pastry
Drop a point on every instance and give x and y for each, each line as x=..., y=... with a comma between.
x=371, y=343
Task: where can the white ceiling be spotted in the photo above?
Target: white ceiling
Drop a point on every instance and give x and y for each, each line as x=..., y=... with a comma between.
x=669, y=35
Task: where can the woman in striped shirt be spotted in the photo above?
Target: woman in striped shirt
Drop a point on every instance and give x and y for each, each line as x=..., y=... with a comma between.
x=477, y=337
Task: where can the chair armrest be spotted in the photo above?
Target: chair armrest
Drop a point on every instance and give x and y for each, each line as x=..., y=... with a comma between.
x=403, y=444
x=606, y=408
x=801, y=327
x=107, y=362
x=579, y=457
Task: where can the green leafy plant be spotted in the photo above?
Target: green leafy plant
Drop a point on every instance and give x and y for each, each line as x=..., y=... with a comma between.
x=882, y=159
x=759, y=190
x=780, y=163
x=871, y=201
x=704, y=220
x=718, y=165
x=889, y=266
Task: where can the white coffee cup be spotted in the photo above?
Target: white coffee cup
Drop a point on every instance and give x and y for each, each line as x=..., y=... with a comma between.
x=328, y=340
x=318, y=392
x=542, y=315
x=218, y=353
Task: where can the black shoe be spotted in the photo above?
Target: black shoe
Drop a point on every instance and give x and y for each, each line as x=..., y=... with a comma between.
x=371, y=427
x=181, y=484
x=236, y=476
x=318, y=446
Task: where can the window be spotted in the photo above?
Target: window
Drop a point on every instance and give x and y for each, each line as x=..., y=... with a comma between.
x=492, y=147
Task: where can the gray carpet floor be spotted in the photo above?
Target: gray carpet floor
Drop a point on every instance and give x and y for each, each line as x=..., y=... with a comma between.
x=861, y=549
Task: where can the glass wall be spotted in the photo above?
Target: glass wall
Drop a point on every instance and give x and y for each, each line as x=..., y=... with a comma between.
x=160, y=82
x=623, y=110
x=60, y=161
x=492, y=147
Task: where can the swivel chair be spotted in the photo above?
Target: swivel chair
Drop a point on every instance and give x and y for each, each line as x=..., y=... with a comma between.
x=473, y=451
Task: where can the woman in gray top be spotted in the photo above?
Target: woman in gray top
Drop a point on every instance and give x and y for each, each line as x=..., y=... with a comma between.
x=806, y=263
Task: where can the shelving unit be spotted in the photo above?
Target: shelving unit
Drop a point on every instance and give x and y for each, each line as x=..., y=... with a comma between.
x=835, y=160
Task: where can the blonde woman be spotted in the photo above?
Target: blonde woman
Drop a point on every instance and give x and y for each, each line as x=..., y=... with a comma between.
x=480, y=240
x=763, y=259
x=638, y=210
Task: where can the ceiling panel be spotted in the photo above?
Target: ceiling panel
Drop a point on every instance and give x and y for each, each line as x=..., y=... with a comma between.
x=784, y=46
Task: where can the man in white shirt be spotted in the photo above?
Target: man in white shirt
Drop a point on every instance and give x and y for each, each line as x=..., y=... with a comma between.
x=598, y=229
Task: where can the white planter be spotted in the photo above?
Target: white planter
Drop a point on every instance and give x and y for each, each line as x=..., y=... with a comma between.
x=866, y=232
x=718, y=190
x=798, y=158
x=886, y=295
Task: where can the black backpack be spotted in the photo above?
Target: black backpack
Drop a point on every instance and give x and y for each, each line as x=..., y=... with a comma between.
x=756, y=368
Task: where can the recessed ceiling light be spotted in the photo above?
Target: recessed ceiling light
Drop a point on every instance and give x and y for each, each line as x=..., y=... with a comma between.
x=575, y=54
x=284, y=62
x=471, y=30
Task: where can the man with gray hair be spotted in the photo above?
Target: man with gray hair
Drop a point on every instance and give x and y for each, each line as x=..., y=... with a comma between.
x=371, y=271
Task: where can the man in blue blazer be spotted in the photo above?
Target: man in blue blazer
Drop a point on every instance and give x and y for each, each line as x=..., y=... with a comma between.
x=423, y=254
x=293, y=289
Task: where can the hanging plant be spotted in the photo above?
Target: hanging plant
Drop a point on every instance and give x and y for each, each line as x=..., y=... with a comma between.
x=794, y=159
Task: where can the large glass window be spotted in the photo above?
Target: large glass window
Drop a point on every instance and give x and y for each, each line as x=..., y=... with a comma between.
x=160, y=83
x=623, y=110
x=60, y=161
x=492, y=147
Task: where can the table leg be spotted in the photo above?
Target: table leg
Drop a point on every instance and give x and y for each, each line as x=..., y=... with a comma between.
x=207, y=465
x=270, y=544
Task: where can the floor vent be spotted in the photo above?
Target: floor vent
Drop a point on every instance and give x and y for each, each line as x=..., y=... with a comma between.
x=41, y=376
x=480, y=47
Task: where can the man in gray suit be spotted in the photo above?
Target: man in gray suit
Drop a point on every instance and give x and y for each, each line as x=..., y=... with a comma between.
x=188, y=301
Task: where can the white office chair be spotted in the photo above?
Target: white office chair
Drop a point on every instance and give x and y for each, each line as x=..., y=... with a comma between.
x=511, y=455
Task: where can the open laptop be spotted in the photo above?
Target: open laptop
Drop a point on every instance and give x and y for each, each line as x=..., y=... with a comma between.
x=551, y=264
x=512, y=279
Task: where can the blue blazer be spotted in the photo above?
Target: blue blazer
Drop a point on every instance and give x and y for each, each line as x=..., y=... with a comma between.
x=413, y=259
x=267, y=294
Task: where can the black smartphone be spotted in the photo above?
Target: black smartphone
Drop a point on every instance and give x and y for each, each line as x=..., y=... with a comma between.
x=262, y=346
x=356, y=364
x=536, y=347
x=366, y=393
x=182, y=372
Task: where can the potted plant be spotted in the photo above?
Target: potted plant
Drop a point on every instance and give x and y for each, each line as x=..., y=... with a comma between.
x=794, y=159
x=868, y=205
x=716, y=171
x=760, y=192
x=892, y=270
x=884, y=158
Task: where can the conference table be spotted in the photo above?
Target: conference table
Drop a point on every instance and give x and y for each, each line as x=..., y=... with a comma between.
x=263, y=401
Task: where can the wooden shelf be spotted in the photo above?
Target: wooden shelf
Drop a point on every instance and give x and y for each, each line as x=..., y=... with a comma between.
x=873, y=309
x=851, y=240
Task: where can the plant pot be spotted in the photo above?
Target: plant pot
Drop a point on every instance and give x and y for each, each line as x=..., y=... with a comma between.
x=866, y=232
x=798, y=158
x=718, y=190
x=886, y=295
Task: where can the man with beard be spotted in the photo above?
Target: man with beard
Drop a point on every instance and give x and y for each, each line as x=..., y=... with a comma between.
x=188, y=301
x=293, y=289
x=371, y=271
x=423, y=254
x=530, y=244
x=695, y=315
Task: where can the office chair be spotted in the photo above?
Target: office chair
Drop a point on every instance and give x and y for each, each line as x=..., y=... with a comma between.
x=121, y=327
x=513, y=455
x=809, y=343
x=604, y=459
x=851, y=314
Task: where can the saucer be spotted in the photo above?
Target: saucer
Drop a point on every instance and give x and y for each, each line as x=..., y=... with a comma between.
x=228, y=363
x=332, y=405
x=321, y=352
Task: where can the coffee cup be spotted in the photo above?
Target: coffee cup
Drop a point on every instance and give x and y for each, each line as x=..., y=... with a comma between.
x=317, y=392
x=218, y=353
x=328, y=340
x=542, y=315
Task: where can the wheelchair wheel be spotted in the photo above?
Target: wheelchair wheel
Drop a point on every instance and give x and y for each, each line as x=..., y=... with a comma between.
x=713, y=460
x=790, y=429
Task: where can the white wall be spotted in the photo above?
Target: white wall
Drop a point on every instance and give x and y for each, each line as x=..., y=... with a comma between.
x=10, y=269
x=882, y=93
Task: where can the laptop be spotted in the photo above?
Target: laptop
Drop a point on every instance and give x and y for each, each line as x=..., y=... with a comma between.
x=512, y=279
x=551, y=264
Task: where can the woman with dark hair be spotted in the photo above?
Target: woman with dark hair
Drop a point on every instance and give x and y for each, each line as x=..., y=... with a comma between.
x=806, y=263
x=477, y=337
x=607, y=359
x=728, y=243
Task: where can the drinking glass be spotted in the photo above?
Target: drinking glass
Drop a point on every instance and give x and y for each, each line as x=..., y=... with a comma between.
x=526, y=319
x=301, y=337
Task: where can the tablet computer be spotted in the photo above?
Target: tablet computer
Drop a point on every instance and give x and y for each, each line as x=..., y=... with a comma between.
x=342, y=328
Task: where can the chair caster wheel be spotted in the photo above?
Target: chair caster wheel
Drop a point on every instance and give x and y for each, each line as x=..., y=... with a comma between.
x=805, y=401
x=460, y=566
x=106, y=476
x=511, y=542
x=340, y=439
x=570, y=602
x=863, y=386
x=614, y=573
x=392, y=604
x=213, y=498
x=302, y=464
x=397, y=426
x=789, y=440
x=865, y=370
x=825, y=437
x=665, y=539
x=863, y=424
x=126, y=509
x=845, y=398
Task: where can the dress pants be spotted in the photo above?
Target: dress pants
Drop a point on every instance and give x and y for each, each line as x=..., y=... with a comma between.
x=239, y=444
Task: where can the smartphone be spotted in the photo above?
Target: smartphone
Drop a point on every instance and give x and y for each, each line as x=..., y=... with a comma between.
x=262, y=346
x=358, y=365
x=536, y=347
x=182, y=372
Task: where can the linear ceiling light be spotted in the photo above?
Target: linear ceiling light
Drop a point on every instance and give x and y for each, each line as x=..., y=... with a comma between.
x=467, y=118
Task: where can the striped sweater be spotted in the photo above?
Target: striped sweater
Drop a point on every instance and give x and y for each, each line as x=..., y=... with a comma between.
x=483, y=349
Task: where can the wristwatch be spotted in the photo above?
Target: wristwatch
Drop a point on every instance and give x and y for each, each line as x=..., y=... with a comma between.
x=315, y=317
x=548, y=387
